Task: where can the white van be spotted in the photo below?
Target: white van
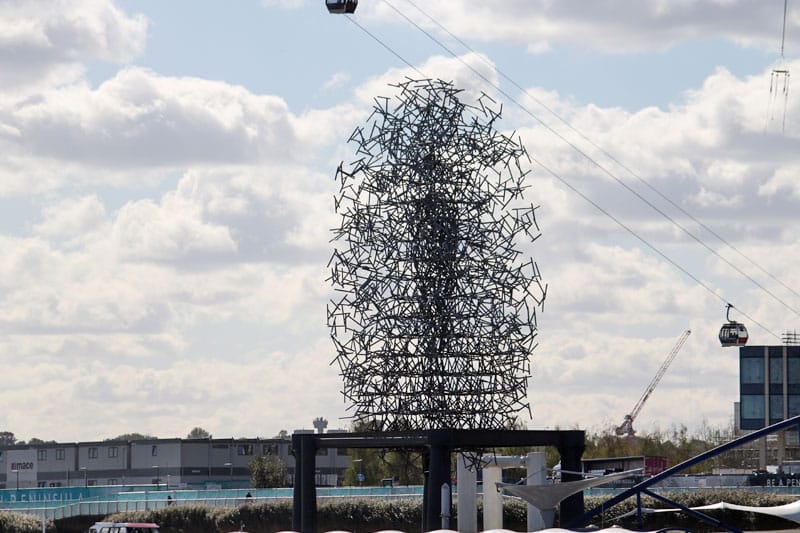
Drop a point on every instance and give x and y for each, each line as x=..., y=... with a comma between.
x=124, y=527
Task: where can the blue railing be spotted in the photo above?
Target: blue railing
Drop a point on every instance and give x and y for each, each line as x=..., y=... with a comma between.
x=55, y=503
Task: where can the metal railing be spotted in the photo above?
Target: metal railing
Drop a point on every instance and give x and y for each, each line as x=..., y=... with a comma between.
x=157, y=500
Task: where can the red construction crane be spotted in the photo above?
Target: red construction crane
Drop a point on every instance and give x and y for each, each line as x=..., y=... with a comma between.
x=626, y=428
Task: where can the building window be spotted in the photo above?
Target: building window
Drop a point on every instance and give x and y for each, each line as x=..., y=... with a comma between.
x=776, y=370
x=793, y=364
x=154, y=450
x=752, y=370
x=753, y=406
x=271, y=449
x=112, y=481
x=92, y=453
x=41, y=455
x=244, y=449
x=342, y=451
x=113, y=451
x=59, y=454
x=794, y=405
x=775, y=408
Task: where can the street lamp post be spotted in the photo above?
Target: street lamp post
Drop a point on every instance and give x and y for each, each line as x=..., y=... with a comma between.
x=230, y=472
x=85, y=476
x=360, y=471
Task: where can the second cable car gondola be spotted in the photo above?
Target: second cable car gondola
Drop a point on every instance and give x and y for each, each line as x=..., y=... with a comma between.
x=732, y=333
x=341, y=6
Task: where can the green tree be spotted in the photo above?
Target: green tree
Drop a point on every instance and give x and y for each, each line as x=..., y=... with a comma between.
x=34, y=440
x=267, y=471
x=133, y=436
x=198, y=433
x=7, y=438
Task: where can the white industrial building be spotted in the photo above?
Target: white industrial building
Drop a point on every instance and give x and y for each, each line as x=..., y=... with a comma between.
x=177, y=463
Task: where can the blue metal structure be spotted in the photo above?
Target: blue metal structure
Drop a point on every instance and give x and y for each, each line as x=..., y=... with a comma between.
x=643, y=487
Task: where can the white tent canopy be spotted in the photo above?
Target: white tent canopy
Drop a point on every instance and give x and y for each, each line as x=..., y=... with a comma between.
x=789, y=511
x=545, y=497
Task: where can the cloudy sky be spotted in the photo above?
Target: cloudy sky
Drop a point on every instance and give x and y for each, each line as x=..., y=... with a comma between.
x=166, y=185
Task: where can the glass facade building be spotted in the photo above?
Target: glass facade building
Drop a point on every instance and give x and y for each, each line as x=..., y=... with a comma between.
x=769, y=385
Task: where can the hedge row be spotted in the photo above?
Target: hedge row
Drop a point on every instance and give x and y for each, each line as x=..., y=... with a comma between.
x=22, y=523
x=370, y=515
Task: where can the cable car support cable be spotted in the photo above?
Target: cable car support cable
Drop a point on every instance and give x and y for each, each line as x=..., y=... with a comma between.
x=610, y=156
x=589, y=158
x=569, y=185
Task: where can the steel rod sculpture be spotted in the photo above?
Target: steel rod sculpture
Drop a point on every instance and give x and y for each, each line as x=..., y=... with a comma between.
x=436, y=319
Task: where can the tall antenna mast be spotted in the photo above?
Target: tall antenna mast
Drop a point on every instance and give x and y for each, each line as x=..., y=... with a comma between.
x=779, y=79
x=783, y=33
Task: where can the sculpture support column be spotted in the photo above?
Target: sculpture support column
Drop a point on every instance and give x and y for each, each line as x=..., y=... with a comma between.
x=304, y=515
x=438, y=474
x=571, y=451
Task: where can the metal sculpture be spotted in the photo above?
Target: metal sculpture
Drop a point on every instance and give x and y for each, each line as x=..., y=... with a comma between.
x=436, y=320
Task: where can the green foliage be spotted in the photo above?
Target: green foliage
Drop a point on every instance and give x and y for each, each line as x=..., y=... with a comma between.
x=676, y=445
x=7, y=438
x=403, y=466
x=367, y=516
x=267, y=517
x=198, y=433
x=375, y=514
x=267, y=471
x=23, y=523
x=133, y=436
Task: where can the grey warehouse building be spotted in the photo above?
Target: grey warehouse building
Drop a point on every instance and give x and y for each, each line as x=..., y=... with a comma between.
x=176, y=463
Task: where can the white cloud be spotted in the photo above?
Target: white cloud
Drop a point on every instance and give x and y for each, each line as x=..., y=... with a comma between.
x=139, y=125
x=337, y=80
x=72, y=218
x=179, y=227
x=784, y=179
x=44, y=40
x=617, y=26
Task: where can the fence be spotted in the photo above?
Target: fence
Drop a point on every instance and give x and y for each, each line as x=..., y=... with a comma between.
x=148, y=500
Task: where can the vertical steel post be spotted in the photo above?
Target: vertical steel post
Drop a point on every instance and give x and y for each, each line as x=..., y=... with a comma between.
x=438, y=475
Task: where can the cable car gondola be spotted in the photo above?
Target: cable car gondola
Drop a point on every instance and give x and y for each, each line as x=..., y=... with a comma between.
x=341, y=6
x=732, y=333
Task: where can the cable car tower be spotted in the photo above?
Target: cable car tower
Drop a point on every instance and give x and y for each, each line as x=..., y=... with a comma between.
x=626, y=428
x=779, y=79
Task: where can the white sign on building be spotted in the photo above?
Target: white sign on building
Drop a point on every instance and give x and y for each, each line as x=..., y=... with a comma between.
x=21, y=469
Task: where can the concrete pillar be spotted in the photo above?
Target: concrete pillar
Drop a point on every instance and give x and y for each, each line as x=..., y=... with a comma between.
x=467, y=497
x=492, y=499
x=538, y=519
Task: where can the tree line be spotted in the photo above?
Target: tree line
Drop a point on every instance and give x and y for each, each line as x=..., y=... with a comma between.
x=370, y=466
